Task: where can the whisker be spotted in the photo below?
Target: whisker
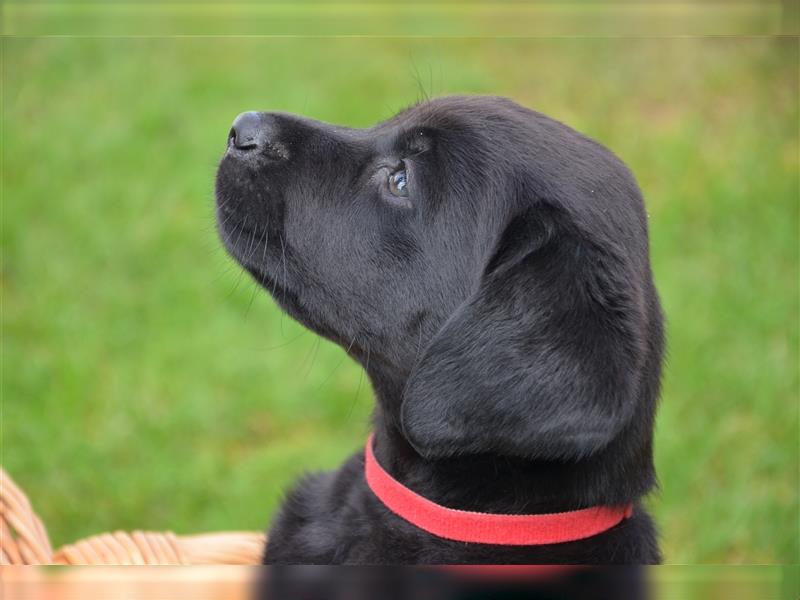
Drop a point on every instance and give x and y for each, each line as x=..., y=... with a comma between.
x=283, y=259
x=315, y=350
x=339, y=364
x=266, y=243
x=252, y=238
x=294, y=339
x=275, y=285
x=252, y=297
x=228, y=268
x=225, y=220
x=238, y=282
x=358, y=389
x=241, y=230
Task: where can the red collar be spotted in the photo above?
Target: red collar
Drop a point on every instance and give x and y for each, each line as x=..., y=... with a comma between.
x=487, y=528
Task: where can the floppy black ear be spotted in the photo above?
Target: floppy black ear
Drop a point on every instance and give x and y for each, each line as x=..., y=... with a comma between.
x=544, y=360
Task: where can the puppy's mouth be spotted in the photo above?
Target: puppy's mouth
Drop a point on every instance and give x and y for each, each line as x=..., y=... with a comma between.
x=247, y=242
x=258, y=249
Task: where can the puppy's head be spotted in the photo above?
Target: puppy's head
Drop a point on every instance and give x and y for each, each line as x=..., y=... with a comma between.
x=494, y=261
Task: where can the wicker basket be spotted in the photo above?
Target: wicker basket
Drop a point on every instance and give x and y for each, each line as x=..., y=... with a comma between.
x=24, y=541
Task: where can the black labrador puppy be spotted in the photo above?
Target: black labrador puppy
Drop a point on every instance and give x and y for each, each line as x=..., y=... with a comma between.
x=489, y=269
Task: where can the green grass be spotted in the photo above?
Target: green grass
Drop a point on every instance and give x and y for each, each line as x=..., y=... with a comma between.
x=147, y=384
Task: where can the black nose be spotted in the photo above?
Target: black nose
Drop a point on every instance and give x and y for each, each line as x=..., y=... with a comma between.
x=248, y=131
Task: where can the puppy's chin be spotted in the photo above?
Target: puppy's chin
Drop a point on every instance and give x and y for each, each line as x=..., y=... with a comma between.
x=245, y=242
x=253, y=250
x=288, y=299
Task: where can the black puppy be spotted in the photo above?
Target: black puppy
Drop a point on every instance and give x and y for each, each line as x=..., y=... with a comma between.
x=489, y=269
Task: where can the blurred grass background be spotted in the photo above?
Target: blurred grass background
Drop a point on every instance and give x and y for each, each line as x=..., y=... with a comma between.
x=148, y=384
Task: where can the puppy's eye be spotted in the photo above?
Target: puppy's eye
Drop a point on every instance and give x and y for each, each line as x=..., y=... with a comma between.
x=398, y=183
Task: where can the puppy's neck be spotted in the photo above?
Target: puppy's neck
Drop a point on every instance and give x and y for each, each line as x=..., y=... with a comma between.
x=507, y=485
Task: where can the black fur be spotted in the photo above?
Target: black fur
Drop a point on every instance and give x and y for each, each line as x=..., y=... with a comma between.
x=504, y=312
